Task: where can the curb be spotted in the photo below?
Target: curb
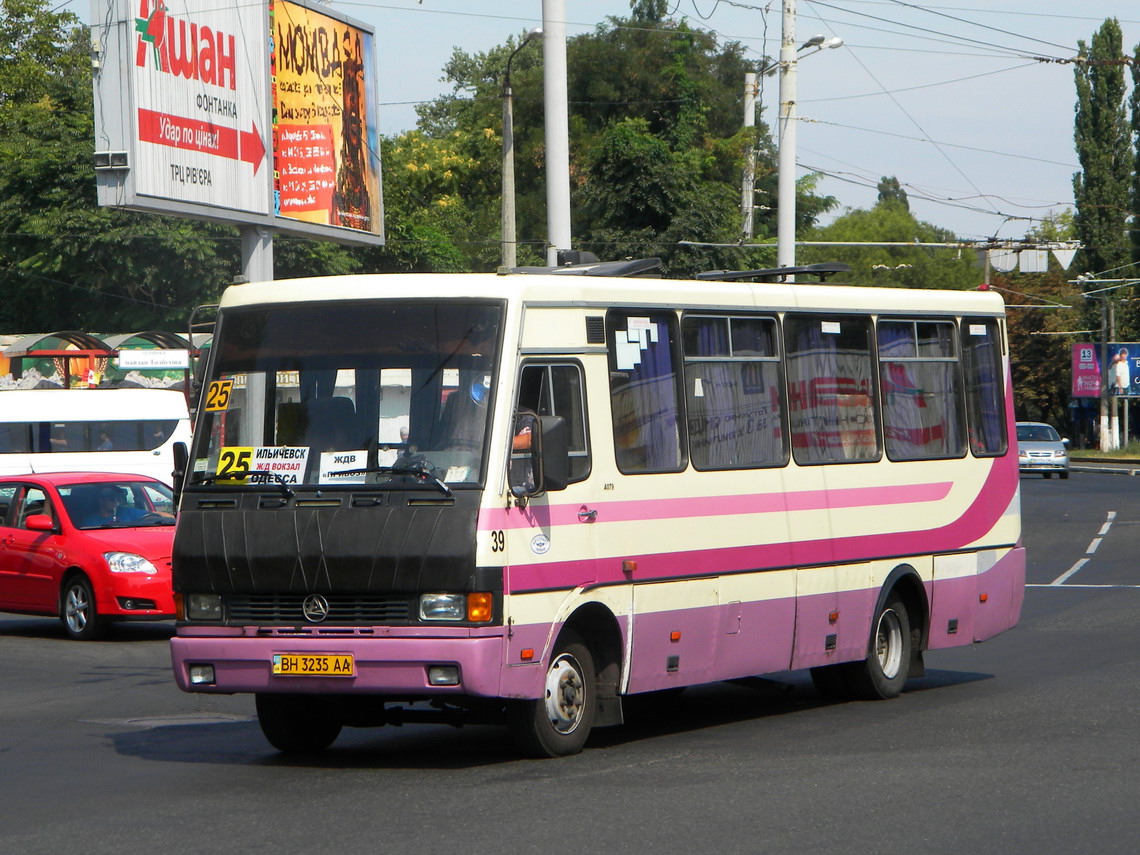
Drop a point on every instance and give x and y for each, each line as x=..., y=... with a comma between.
x=1109, y=470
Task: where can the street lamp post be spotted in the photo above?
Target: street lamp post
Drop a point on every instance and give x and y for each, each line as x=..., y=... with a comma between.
x=509, y=242
x=786, y=158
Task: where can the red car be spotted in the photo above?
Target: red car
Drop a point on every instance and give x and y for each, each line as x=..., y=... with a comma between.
x=91, y=547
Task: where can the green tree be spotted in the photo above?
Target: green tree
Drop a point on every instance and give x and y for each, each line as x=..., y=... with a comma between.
x=1101, y=134
x=65, y=262
x=894, y=266
x=890, y=190
x=655, y=138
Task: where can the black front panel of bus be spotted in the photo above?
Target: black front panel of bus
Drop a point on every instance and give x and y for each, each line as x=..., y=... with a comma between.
x=389, y=542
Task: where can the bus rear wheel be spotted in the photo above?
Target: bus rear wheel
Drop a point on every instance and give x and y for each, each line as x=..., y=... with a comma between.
x=558, y=723
x=883, y=673
x=296, y=724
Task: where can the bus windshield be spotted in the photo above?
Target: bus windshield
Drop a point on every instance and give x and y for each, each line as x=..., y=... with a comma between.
x=348, y=394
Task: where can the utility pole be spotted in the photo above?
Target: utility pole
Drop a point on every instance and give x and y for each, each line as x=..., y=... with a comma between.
x=748, y=185
x=786, y=157
x=509, y=241
x=557, y=129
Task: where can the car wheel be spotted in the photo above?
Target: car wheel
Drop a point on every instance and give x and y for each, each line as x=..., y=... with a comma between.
x=883, y=673
x=1046, y=475
x=558, y=723
x=296, y=724
x=1065, y=475
x=78, y=612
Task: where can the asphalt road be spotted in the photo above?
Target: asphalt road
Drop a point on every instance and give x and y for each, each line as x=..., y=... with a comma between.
x=1027, y=743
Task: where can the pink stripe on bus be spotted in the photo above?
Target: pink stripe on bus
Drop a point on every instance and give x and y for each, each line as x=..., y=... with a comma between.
x=492, y=519
x=979, y=518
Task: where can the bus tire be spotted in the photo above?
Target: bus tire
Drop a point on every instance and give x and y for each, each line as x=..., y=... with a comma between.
x=558, y=724
x=296, y=724
x=78, y=612
x=883, y=673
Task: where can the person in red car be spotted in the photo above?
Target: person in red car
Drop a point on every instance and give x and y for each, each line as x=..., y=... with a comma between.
x=111, y=510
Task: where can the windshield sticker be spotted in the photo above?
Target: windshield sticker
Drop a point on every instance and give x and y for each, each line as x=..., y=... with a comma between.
x=218, y=395
x=261, y=465
x=336, y=467
x=830, y=327
x=978, y=329
x=457, y=473
x=201, y=464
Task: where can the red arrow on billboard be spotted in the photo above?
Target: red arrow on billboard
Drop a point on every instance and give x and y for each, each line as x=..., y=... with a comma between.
x=195, y=135
x=252, y=148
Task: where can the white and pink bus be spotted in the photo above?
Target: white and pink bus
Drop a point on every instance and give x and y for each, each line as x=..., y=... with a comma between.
x=526, y=497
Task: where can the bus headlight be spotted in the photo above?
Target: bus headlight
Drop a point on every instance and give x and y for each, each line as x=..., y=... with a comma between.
x=443, y=606
x=474, y=607
x=203, y=607
x=128, y=562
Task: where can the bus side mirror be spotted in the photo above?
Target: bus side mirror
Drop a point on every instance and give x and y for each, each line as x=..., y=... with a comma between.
x=178, y=476
x=555, y=450
x=540, y=457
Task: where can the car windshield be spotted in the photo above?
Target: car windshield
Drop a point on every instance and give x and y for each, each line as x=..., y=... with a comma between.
x=1037, y=433
x=332, y=394
x=118, y=504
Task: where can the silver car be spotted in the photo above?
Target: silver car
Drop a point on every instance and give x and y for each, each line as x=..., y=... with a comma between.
x=1041, y=449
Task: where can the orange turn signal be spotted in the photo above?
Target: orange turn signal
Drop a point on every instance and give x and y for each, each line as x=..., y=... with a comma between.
x=983, y=597
x=179, y=607
x=527, y=654
x=479, y=607
x=675, y=636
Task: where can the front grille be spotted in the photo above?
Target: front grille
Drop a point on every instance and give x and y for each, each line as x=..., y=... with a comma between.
x=287, y=608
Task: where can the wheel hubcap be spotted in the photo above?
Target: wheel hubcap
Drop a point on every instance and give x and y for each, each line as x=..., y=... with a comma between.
x=888, y=644
x=76, y=609
x=564, y=694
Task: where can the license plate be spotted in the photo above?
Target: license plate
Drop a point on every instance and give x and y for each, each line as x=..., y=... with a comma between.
x=313, y=665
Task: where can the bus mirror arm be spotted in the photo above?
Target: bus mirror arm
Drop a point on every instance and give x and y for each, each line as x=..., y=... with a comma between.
x=178, y=476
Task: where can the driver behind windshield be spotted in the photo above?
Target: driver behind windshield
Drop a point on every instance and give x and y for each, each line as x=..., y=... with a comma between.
x=111, y=510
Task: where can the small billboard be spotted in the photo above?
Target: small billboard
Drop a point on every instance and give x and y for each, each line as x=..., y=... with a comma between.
x=1121, y=375
x=256, y=114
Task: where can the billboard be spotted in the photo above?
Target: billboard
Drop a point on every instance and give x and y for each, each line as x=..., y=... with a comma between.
x=1121, y=376
x=191, y=119
x=324, y=141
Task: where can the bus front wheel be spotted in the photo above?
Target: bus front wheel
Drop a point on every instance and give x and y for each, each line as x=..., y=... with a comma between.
x=883, y=673
x=296, y=724
x=558, y=723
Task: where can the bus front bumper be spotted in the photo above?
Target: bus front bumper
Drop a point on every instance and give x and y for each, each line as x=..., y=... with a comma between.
x=392, y=665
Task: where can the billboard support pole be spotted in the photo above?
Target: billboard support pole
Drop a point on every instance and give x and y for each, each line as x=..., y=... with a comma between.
x=257, y=253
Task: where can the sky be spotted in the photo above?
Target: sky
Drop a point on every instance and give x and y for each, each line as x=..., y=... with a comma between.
x=960, y=101
x=964, y=102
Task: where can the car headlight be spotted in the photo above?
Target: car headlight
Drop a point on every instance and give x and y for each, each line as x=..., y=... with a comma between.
x=1023, y=455
x=128, y=562
x=204, y=606
x=1060, y=453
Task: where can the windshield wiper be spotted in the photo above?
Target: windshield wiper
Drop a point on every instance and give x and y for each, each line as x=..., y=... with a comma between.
x=421, y=470
x=286, y=490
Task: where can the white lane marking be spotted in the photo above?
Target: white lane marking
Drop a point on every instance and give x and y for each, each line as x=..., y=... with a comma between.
x=1092, y=548
x=1075, y=585
x=1060, y=580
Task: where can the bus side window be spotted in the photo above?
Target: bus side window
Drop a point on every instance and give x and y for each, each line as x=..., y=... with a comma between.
x=985, y=386
x=557, y=389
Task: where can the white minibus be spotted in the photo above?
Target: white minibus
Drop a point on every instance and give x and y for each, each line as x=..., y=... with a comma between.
x=132, y=431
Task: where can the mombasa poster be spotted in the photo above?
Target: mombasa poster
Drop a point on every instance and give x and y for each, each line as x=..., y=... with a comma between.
x=325, y=142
